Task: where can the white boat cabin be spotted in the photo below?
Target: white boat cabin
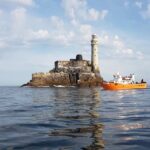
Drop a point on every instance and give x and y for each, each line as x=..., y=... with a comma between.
x=123, y=80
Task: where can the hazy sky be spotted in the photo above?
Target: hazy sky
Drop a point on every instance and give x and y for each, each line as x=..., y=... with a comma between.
x=35, y=33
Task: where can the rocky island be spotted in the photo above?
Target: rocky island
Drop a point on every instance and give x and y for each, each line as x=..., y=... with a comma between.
x=75, y=72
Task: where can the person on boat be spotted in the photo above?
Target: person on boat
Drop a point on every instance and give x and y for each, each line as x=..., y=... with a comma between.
x=142, y=81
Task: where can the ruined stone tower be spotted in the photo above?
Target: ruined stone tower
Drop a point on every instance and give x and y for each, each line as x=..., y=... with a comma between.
x=94, y=54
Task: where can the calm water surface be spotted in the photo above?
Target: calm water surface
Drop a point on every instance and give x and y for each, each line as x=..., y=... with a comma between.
x=74, y=119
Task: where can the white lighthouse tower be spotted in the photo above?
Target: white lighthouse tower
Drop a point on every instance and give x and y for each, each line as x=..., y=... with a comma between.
x=94, y=54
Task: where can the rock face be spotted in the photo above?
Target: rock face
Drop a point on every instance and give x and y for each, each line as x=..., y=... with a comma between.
x=76, y=72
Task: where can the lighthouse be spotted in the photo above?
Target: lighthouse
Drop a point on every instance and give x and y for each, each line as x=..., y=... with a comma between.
x=94, y=54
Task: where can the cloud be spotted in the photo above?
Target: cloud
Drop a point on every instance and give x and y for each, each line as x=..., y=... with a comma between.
x=18, y=17
x=85, y=28
x=146, y=14
x=38, y=35
x=57, y=22
x=93, y=14
x=117, y=43
x=117, y=48
x=60, y=32
x=138, y=4
x=72, y=7
x=140, y=55
x=55, y=33
x=41, y=34
x=25, y=2
x=61, y=39
x=85, y=31
x=19, y=2
x=78, y=9
x=25, y=30
x=19, y=13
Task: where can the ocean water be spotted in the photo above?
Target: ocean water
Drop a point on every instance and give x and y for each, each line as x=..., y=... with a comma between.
x=74, y=118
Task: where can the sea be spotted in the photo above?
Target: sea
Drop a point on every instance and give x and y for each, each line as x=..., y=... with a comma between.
x=71, y=118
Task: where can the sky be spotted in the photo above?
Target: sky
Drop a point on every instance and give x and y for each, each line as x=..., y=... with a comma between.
x=35, y=33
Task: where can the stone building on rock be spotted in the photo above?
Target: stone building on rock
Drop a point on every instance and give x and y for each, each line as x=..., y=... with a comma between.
x=74, y=72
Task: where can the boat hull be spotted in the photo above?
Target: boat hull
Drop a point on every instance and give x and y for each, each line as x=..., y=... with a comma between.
x=118, y=86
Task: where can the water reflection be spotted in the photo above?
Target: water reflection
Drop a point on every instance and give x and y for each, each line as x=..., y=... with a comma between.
x=79, y=116
x=124, y=93
x=131, y=126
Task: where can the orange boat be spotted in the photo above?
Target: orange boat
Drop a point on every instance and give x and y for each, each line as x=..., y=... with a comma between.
x=124, y=83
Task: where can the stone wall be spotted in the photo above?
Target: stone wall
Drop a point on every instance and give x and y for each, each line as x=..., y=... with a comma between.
x=73, y=66
x=50, y=79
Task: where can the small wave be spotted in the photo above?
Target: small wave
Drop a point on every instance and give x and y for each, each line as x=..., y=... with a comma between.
x=62, y=86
